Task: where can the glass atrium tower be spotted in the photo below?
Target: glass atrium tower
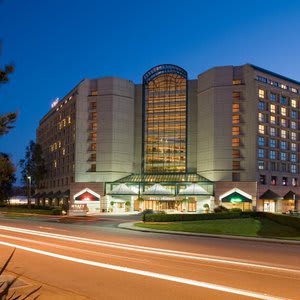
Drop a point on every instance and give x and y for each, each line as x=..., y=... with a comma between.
x=164, y=120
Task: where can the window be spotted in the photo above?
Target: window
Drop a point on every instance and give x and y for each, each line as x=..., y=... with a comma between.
x=283, y=111
x=293, y=125
x=93, y=168
x=293, y=114
x=262, y=179
x=93, y=157
x=293, y=147
x=93, y=105
x=284, y=181
x=272, y=131
x=293, y=168
x=283, y=145
x=284, y=100
x=235, y=130
x=261, y=117
x=283, y=86
x=236, y=176
x=273, y=166
x=261, y=105
x=235, y=119
x=261, y=93
x=93, y=147
x=262, y=79
x=261, y=153
x=283, y=167
x=261, y=165
x=236, y=81
x=94, y=92
x=272, y=108
x=283, y=122
x=273, y=180
x=236, y=165
x=236, y=95
x=261, y=141
x=93, y=136
x=283, y=156
x=235, y=107
x=295, y=181
x=283, y=133
x=293, y=136
x=93, y=116
x=272, y=143
x=93, y=126
x=293, y=103
x=272, y=120
x=235, y=142
x=293, y=157
x=273, y=97
x=261, y=129
x=272, y=154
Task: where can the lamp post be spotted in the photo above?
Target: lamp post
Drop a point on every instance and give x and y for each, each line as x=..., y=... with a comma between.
x=29, y=191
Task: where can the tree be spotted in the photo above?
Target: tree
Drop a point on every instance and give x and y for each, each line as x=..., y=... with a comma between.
x=7, y=177
x=33, y=164
x=6, y=120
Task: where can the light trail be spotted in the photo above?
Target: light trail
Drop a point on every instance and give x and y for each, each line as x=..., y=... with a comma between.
x=156, y=251
x=181, y=280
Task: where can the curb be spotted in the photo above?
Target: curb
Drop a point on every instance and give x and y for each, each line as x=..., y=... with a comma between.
x=130, y=226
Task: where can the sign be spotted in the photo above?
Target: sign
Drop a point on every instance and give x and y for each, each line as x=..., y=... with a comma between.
x=236, y=200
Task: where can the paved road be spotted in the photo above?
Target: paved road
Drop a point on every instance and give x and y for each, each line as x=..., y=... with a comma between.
x=94, y=259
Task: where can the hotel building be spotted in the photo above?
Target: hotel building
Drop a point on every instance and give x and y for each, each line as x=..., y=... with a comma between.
x=229, y=137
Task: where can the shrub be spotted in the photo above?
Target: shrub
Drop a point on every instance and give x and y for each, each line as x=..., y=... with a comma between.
x=56, y=210
x=282, y=219
x=236, y=209
x=220, y=209
x=148, y=211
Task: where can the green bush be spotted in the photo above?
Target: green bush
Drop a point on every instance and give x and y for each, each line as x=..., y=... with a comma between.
x=282, y=219
x=194, y=217
x=220, y=209
x=56, y=210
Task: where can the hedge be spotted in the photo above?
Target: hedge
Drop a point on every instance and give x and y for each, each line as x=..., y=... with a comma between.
x=195, y=217
x=282, y=219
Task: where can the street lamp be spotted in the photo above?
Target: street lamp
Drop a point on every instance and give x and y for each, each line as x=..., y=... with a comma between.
x=29, y=191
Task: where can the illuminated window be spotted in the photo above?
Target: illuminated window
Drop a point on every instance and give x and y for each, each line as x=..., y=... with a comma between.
x=293, y=103
x=93, y=157
x=261, y=153
x=93, y=105
x=59, y=144
x=93, y=146
x=235, y=130
x=273, y=180
x=261, y=129
x=283, y=111
x=283, y=133
x=93, y=168
x=235, y=107
x=69, y=120
x=94, y=92
x=272, y=154
x=93, y=116
x=55, y=163
x=235, y=119
x=293, y=146
x=261, y=117
x=261, y=165
x=272, y=108
x=293, y=157
x=236, y=95
x=235, y=142
x=294, y=180
x=262, y=179
x=93, y=136
x=284, y=181
x=293, y=125
x=283, y=86
x=237, y=81
x=293, y=136
x=283, y=122
x=63, y=151
x=272, y=119
x=261, y=93
x=93, y=126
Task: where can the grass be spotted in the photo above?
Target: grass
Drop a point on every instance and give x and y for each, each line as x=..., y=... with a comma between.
x=240, y=227
x=22, y=210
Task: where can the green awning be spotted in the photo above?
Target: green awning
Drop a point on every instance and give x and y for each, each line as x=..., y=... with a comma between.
x=236, y=197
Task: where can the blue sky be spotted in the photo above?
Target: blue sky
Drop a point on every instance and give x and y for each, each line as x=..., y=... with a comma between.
x=54, y=44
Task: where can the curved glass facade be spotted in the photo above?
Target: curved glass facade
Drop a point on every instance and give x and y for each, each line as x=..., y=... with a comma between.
x=165, y=120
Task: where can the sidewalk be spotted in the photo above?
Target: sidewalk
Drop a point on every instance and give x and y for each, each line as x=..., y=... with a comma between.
x=130, y=226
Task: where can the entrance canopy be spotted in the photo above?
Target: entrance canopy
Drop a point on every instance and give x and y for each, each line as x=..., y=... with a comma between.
x=270, y=195
x=87, y=195
x=121, y=189
x=157, y=189
x=193, y=190
x=236, y=197
x=291, y=196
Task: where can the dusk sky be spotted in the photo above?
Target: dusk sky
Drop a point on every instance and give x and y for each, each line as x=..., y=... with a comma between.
x=55, y=44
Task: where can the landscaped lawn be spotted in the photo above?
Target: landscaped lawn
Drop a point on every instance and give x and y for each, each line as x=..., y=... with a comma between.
x=244, y=227
x=16, y=210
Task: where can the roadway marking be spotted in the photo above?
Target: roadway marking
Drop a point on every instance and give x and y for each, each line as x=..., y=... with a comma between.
x=156, y=251
x=211, y=286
